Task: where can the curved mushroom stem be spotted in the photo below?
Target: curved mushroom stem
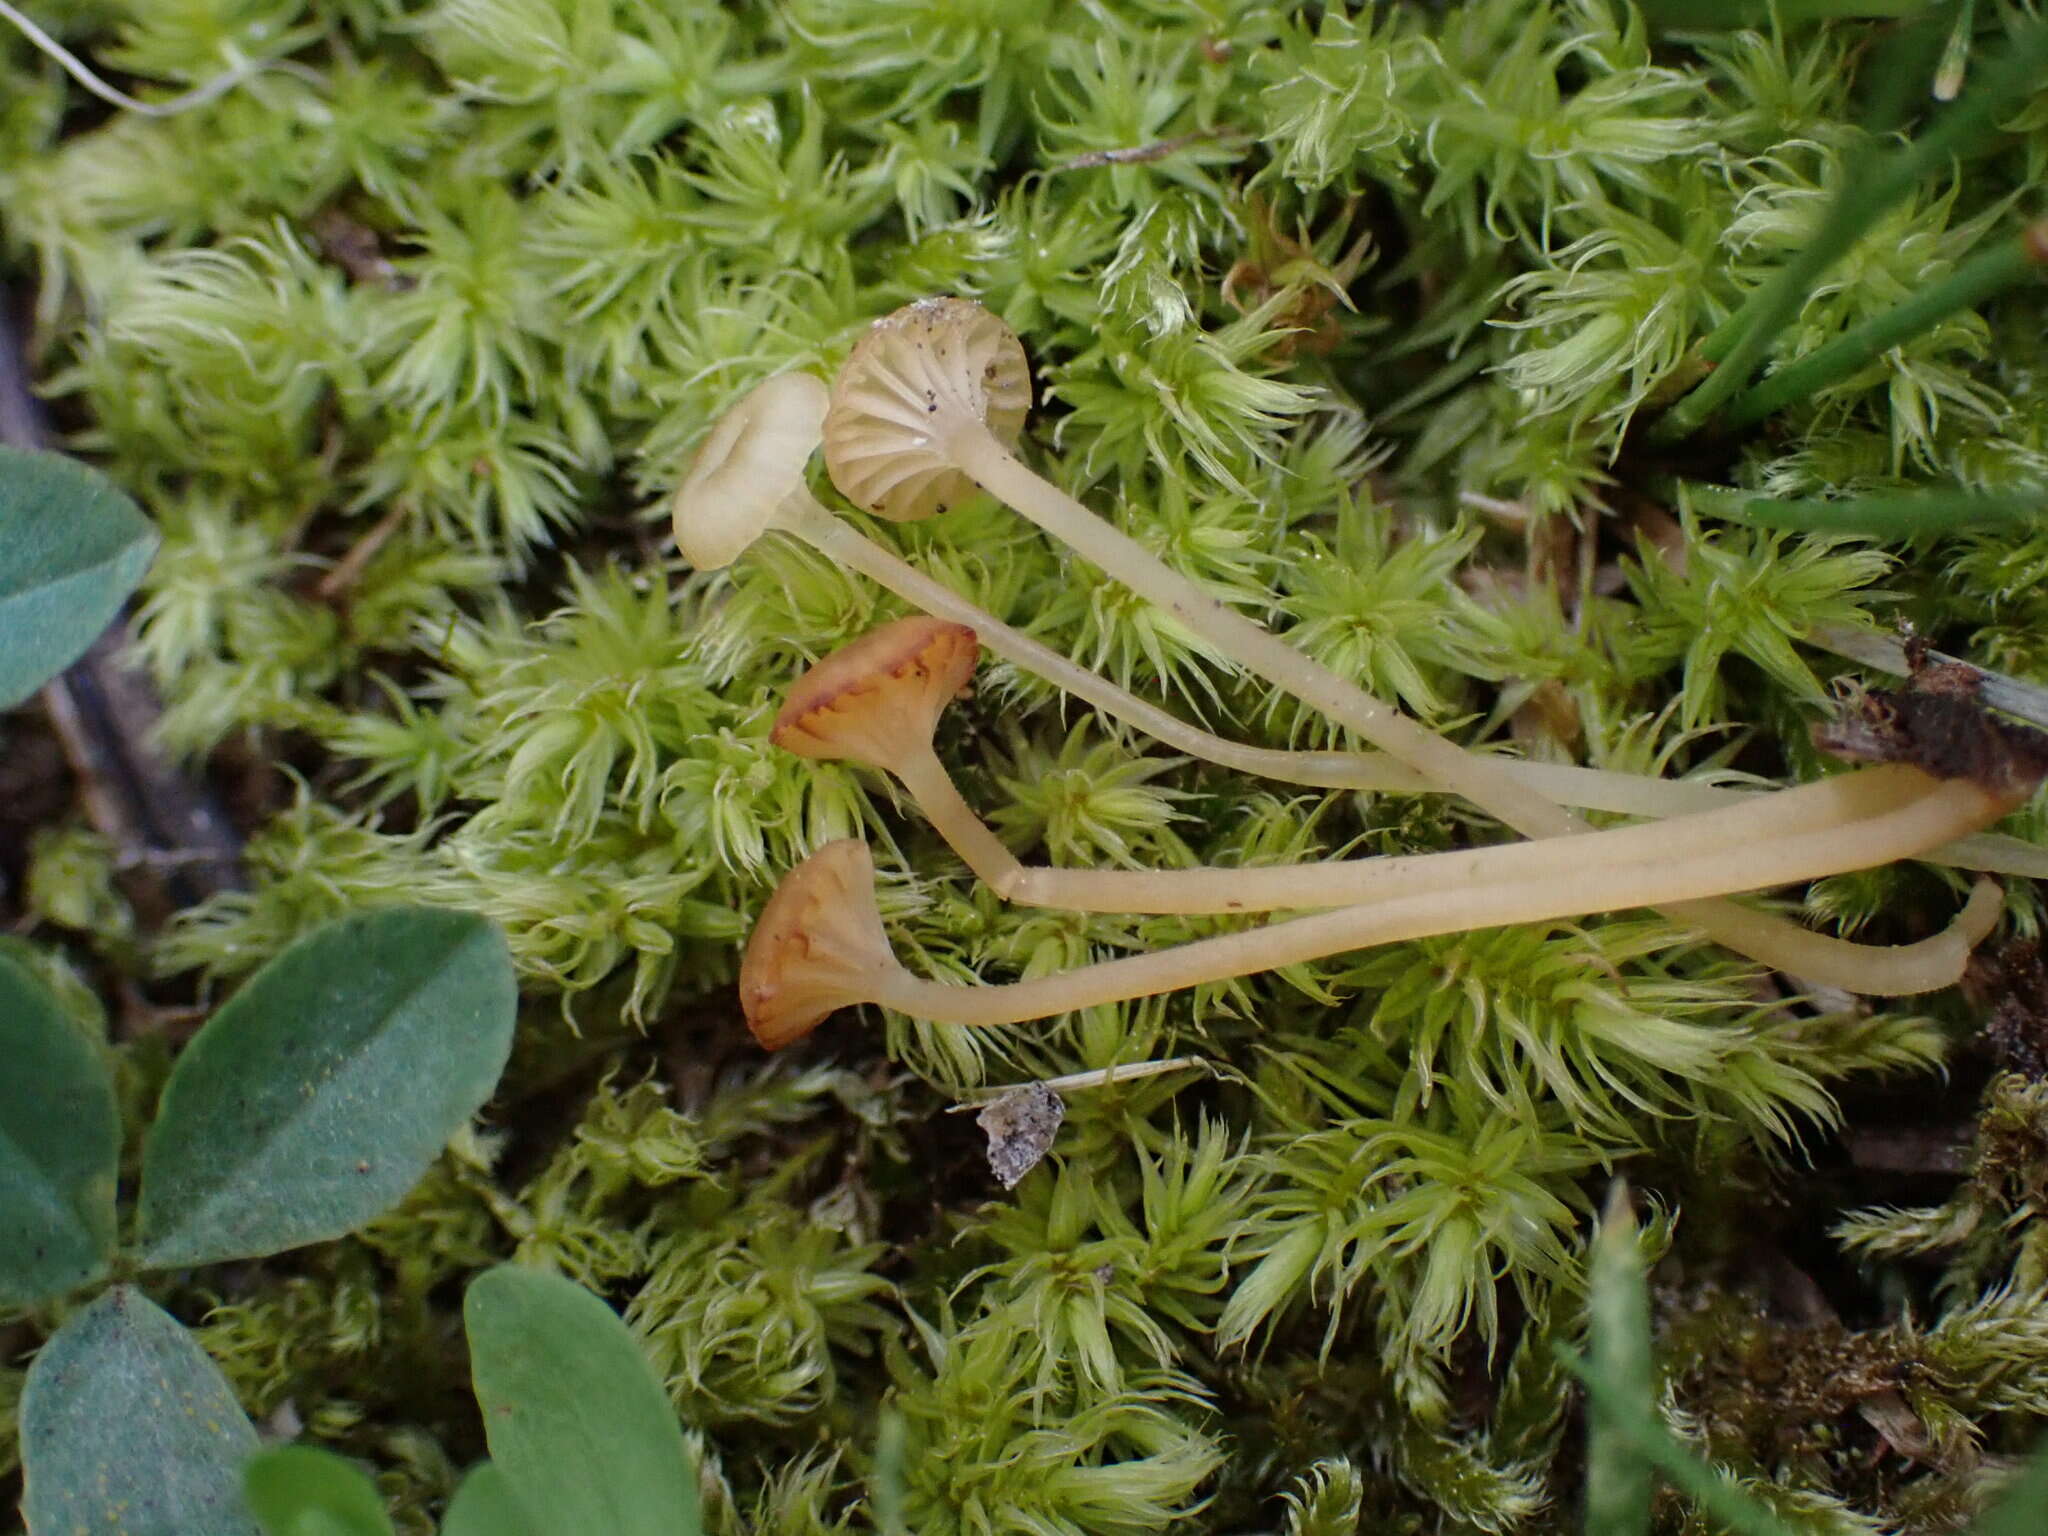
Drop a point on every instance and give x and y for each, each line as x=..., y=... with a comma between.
x=1845, y=805
x=939, y=800
x=1554, y=894
x=1870, y=970
x=1446, y=764
x=803, y=517
x=1480, y=779
x=846, y=546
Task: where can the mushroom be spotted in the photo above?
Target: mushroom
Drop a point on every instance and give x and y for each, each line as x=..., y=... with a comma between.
x=877, y=701
x=912, y=381
x=907, y=408
x=819, y=944
x=748, y=479
x=749, y=468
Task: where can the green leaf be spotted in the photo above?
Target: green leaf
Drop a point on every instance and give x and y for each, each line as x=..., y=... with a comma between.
x=1617, y=1479
x=318, y=1096
x=1871, y=187
x=486, y=1506
x=300, y=1490
x=1649, y=1437
x=72, y=548
x=1905, y=515
x=575, y=1417
x=2021, y=1506
x=128, y=1429
x=60, y=1146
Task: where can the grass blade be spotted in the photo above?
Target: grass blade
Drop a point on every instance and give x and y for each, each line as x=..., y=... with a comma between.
x=1867, y=192
x=1904, y=515
x=1618, y=1485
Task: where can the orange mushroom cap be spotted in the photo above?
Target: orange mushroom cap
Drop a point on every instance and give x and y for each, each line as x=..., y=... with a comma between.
x=818, y=946
x=880, y=696
x=917, y=374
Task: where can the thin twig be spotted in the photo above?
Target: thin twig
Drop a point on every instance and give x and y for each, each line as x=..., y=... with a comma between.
x=198, y=96
x=348, y=570
x=977, y=1098
x=1143, y=154
x=2027, y=701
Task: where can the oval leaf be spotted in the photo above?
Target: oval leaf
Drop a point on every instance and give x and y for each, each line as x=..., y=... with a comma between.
x=60, y=1145
x=301, y=1490
x=486, y=1506
x=576, y=1419
x=72, y=548
x=318, y=1096
x=128, y=1429
x=2020, y=1505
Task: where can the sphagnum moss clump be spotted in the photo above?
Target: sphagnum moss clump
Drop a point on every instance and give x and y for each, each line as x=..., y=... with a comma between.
x=1393, y=332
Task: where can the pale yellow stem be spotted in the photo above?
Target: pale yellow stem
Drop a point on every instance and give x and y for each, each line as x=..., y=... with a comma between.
x=941, y=803
x=1841, y=803
x=1945, y=810
x=1480, y=779
x=1590, y=788
x=1442, y=762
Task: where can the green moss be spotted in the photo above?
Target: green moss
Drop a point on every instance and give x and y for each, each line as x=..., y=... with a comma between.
x=1355, y=316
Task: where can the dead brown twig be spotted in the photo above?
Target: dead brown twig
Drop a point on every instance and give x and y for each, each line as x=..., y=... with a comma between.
x=1144, y=154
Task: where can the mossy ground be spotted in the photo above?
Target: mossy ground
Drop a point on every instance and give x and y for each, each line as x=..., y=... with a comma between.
x=1355, y=318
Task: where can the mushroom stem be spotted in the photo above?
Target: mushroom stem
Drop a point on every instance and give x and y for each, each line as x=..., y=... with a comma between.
x=1443, y=762
x=970, y=445
x=941, y=803
x=1869, y=970
x=1592, y=789
x=878, y=699
x=802, y=517
x=1574, y=891
x=1817, y=959
x=848, y=547
x=1847, y=805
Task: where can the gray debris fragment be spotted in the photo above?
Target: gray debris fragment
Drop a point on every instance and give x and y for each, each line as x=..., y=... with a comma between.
x=1020, y=1125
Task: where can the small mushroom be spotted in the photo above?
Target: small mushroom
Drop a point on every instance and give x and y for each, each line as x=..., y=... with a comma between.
x=918, y=401
x=818, y=946
x=748, y=479
x=877, y=701
x=909, y=384
x=749, y=468
x=938, y=355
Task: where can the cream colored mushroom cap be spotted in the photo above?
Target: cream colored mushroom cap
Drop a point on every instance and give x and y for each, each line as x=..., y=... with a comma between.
x=752, y=462
x=880, y=696
x=818, y=945
x=931, y=363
